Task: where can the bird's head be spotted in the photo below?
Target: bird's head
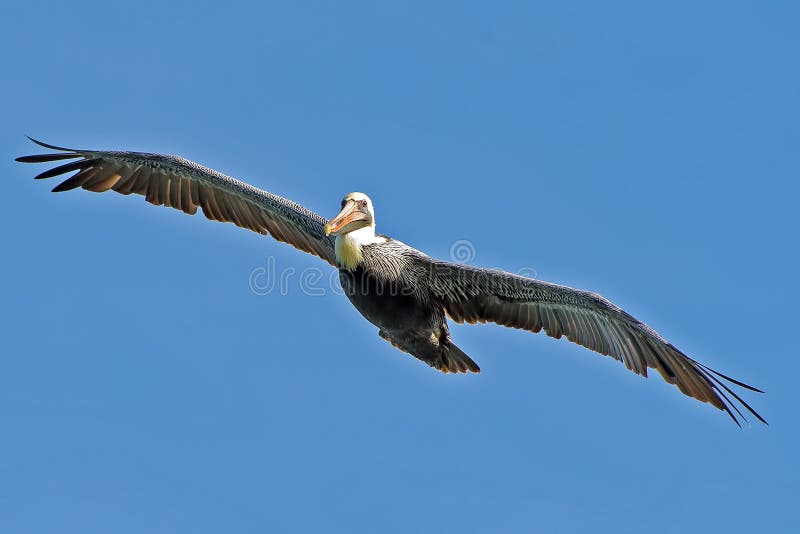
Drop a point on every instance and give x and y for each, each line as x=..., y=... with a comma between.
x=356, y=213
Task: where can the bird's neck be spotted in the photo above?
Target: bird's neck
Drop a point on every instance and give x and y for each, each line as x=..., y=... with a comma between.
x=349, y=247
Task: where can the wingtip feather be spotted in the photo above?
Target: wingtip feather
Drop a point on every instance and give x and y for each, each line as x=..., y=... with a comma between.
x=53, y=147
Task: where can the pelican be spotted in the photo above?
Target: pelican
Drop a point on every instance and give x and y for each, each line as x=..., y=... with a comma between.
x=406, y=294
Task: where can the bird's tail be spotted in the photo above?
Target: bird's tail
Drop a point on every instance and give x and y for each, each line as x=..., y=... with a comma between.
x=454, y=360
x=442, y=355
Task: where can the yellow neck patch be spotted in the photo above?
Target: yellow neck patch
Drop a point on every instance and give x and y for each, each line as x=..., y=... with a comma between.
x=348, y=252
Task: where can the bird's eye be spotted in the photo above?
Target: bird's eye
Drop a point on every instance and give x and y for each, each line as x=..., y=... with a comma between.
x=343, y=203
x=363, y=203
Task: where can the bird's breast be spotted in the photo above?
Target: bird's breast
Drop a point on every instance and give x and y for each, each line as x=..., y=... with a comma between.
x=388, y=304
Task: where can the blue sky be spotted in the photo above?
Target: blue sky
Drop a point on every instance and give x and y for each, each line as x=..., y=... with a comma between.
x=647, y=153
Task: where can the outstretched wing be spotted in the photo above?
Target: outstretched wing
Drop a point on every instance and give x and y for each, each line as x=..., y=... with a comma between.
x=178, y=183
x=471, y=295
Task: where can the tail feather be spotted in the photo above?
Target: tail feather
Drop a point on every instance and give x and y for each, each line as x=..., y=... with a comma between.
x=454, y=360
x=441, y=354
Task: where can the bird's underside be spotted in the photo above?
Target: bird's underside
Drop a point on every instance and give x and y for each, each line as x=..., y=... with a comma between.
x=406, y=319
x=428, y=290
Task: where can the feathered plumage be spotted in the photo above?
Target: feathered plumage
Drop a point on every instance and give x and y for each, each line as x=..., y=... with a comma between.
x=405, y=293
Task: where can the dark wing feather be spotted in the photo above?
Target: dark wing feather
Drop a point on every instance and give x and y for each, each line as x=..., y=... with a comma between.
x=178, y=183
x=471, y=295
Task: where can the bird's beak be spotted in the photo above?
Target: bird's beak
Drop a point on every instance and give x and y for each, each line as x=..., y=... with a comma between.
x=350, y=214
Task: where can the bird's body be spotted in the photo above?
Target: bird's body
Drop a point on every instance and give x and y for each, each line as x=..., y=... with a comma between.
x=390, y=293
x=405, y=293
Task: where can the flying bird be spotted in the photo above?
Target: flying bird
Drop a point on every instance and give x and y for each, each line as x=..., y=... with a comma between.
x=405, y=293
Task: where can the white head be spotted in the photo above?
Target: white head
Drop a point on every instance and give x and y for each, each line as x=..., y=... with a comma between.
x=357, y=213
x=353, y=228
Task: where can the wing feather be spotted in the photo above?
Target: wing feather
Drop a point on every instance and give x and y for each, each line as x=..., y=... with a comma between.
x=181, y=184
x=76, y=181
x=67, y=167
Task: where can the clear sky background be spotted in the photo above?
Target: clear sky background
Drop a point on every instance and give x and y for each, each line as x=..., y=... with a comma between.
x=647, y=153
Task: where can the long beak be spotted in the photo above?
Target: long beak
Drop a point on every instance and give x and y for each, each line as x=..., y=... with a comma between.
x=349, y=214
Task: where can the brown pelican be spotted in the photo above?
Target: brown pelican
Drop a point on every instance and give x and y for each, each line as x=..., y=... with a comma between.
x=405, y=293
